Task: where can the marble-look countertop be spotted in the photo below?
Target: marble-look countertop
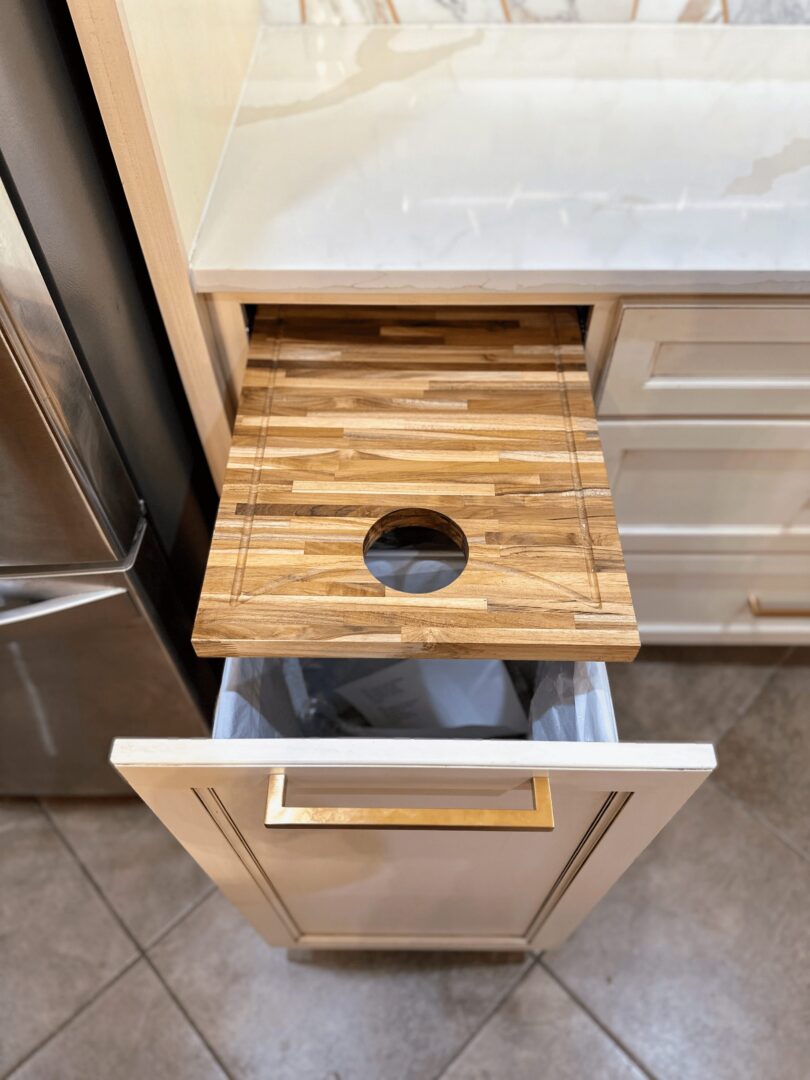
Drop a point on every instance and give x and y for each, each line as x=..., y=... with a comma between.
x=546, y=159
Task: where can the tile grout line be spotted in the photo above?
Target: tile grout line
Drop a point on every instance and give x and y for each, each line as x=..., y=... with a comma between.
x=757, y=694
x=179, y=919
x=141, y=953
x=74, y=1015
x=504, y=997
x=628, y=1053
x=96, y=994
x=759, y=818
x=108, y=902
x=718, y=785
x=185, y=1013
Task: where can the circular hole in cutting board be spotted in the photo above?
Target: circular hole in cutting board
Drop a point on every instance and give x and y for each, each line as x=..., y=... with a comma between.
x=415, y=550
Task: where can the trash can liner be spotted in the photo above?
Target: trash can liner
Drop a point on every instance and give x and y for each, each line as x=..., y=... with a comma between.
x=270, y=698
x=260, y=699
x=572, y=703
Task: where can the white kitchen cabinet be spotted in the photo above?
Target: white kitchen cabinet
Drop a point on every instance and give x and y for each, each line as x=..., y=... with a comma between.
x=709, y=357
x=704, y=412
x=470, y=868
x=722, y=598
x=710, y=485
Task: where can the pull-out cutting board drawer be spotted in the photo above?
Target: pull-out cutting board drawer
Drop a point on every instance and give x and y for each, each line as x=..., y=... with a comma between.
x=355, y=422
x=716, y=358
x=413, y=843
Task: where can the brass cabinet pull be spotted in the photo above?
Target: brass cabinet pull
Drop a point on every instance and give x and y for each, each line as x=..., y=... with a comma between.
x=776, y=611
x=280, y=816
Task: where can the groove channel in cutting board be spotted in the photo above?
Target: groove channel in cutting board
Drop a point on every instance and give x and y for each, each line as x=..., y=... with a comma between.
x=483, y=416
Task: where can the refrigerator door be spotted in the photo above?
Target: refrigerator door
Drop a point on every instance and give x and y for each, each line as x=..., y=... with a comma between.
x=45, y=519
x=65, y=494
x=82, y=659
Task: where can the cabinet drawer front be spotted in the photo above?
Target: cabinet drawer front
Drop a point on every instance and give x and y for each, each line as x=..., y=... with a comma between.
x=739, y=598
x=413, y=887
x=709, y=359
x=710, y=485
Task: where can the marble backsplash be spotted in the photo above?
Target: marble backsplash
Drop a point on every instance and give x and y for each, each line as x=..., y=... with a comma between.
x=285, y=12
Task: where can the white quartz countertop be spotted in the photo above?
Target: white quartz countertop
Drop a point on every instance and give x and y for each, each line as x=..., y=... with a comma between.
x=511, y=160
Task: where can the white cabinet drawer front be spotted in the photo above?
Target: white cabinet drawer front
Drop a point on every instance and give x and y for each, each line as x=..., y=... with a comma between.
x=710, y=485
x=709, y=359
x=436, y=887
x=742, y=598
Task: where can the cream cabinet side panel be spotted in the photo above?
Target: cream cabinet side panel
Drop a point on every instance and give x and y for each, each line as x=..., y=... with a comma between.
x=229, y=329
x=599, y=338
x=103, y=33
x=192, y=60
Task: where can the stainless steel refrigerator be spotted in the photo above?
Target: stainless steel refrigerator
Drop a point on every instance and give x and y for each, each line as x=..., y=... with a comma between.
x=104, y=498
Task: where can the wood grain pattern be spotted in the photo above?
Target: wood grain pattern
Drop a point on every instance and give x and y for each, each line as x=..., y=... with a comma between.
x=485, y=416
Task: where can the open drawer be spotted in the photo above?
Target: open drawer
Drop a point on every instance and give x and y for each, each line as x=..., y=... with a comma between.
x=360, y=425
x=480, y=426
x=463, y=843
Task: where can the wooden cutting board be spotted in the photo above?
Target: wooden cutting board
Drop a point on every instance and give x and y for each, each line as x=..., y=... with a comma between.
x=485, y=416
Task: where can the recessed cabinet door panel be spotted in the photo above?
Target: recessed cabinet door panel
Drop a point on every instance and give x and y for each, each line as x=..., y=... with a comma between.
x=414, y=887
x=722, y=598
x=710, y=358
x=710, y=485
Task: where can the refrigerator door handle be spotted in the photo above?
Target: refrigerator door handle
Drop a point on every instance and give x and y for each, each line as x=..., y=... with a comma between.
x=13, y=621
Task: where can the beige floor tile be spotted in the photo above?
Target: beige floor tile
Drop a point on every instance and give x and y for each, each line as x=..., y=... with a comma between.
x=683, y=694
x=133, y=1031
x=539, y=1031
x=356, y=1016
x=765, y=759
x=699, y=959
x=59, y=944
x=138, y=865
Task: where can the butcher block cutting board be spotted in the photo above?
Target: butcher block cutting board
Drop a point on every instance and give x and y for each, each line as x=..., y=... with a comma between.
x=483, y=417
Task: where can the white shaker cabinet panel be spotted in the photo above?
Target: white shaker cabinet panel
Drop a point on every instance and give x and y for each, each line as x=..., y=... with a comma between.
x=709, y=485
x=743, y=598
x=709, y=358
x=461, y=875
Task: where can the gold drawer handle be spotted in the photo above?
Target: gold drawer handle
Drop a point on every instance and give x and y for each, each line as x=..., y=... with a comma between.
x=777, y=611
x=279, y=816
